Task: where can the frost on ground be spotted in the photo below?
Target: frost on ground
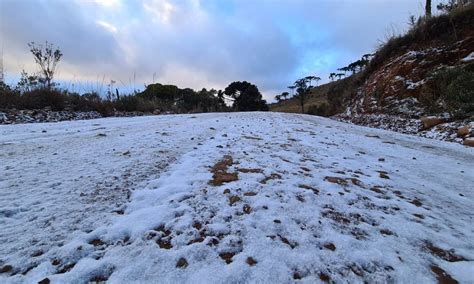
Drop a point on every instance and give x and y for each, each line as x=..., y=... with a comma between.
x=255, y=197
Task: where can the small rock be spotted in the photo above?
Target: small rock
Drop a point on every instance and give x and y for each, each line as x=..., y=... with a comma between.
x=463, y=131
x=250, y=261
x=430, y=121
x=381, y=160
x=44, y=281
x=226, y=191
x=247, y=209
x=182, y=263
x=6, y=268
x=233, y=199
x=469, y=142
x=227, y=256
x=330, y=246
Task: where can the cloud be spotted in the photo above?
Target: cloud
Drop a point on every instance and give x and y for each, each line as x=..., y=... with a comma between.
x=193, y=43
x=160, y=10
x=109, y=27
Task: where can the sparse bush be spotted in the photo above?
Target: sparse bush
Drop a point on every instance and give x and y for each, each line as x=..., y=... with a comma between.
x=321, y=110
x=440, y=27
x=459, y=93
x=452, y=88
x=43, y=97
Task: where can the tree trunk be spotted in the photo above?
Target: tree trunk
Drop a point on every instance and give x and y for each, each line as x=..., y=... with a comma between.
x=428, y=9
x=302, y=103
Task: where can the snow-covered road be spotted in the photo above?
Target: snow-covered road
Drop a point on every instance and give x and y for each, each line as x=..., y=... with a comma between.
x=238, y=197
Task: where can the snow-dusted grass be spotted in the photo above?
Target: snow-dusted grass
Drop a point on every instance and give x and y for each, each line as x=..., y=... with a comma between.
x=315, y=200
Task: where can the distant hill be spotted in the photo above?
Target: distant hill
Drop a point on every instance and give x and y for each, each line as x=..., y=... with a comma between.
x=429, y=71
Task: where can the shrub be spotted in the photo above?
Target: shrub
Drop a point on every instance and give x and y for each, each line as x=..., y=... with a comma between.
x=450, y=89
x=321, y=110
x=459, y=94
x=8, y=98
x=43, y=97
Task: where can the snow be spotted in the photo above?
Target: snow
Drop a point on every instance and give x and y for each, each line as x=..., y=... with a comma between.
x=316, y=198
x=468, y=58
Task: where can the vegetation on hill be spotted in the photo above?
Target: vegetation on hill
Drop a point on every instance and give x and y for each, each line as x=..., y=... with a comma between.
x=38, y=91
x=436, y=75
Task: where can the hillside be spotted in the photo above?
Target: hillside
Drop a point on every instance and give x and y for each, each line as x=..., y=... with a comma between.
x=237, y=197
x=427, y=72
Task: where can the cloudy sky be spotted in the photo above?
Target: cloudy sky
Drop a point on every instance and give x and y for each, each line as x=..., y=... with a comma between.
x=197, y=43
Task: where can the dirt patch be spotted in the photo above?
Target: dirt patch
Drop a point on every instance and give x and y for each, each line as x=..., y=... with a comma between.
x=416, y=202
x=324, y=277
x=337, y=180
x=250, y=261
x=386, y=232
x=250, y=193
x=330, y=246
x=66, y=268
x=247, y=170
x=291, y=244
x=96, y=242
x=383, y=174
x=448, y=255
x=372, y=136
x=220, y=174
x=377, y=189
x=233, y=199
x=314, y=190
x=227, y=256
x=270, y=177
x=6, y=268
x=252, y=138
x=442, y=276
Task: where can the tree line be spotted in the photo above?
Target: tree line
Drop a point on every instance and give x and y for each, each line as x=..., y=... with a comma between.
x=38, y=91
x=301, y=88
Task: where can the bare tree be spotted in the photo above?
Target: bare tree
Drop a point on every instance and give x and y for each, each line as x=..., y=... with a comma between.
x=47, y=57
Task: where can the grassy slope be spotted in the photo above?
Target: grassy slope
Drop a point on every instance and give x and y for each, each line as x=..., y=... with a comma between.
x=318, y=96
x=438, y=28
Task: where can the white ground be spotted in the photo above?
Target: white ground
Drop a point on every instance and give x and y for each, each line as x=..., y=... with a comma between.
x=124, y=199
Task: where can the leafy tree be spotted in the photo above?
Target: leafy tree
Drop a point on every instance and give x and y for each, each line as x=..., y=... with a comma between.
x=451, y=5
x=47, y=57
x=309, y=79
x=285, y=95
x=245, y=97
x=302, y=89
x=332, y=76
x=278, y=98
x=292, y=89
x=340, y=75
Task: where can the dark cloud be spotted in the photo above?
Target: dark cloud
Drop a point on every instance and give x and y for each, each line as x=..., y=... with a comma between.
x=202, y=43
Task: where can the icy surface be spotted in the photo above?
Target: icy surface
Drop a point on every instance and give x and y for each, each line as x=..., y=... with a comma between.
x=131, y=200
x=468, y=58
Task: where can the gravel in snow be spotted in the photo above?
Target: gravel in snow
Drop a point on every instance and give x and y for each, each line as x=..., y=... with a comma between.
x=241, y=197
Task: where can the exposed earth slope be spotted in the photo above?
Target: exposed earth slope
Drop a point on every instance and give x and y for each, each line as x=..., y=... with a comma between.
x=418, y=83
x=241, y=197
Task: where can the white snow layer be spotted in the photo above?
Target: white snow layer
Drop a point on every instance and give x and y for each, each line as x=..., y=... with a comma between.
x=129, y=200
